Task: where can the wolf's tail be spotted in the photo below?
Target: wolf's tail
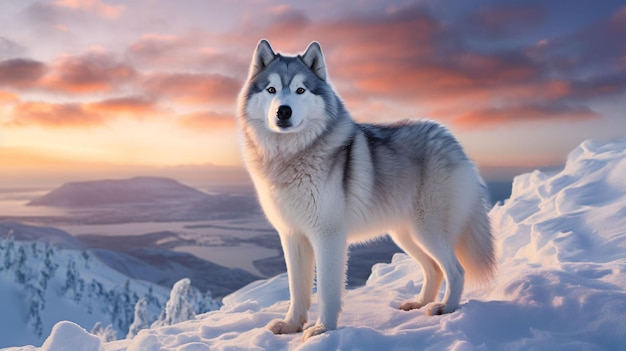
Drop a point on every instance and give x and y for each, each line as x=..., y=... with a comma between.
x=475, y=248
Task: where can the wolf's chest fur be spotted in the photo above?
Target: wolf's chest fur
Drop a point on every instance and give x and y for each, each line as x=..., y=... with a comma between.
x=298, y=192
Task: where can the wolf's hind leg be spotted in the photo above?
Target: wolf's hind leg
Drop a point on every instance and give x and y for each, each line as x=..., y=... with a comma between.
x=299, y=260
x=435, y=241
x=432, y=273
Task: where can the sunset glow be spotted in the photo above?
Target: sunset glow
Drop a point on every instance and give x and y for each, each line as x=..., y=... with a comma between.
x=109, y=85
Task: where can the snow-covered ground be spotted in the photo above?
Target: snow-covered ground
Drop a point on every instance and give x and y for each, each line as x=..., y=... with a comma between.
x=561, y=283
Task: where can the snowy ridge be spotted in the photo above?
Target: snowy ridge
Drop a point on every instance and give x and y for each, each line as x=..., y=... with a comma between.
x=560, y=286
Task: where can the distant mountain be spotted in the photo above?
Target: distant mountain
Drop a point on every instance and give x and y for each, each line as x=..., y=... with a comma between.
x=137, y=190
x=138, y=199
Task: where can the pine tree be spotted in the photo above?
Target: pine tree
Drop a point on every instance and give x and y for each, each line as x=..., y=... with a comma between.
x=50, y=266
x=141, y=319
x=73, y=281
x=178, y=309
x=35, y=299
x=108, y=334
x=86, y=257
x=35, y=248
x=9, y=251
x=123, y=305
x=105, y=334
x=97, y=329
x=21, y=269
x=70, y=276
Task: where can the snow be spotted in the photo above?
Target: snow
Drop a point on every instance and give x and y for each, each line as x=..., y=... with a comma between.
x=68, y=336
x=41, y=285
x=561, y=283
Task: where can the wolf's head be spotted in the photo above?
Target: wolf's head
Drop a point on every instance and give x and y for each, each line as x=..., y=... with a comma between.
x=287, y=94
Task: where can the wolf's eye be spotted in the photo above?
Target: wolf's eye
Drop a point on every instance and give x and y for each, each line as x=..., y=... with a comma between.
x=300, y=91
x=271, y=90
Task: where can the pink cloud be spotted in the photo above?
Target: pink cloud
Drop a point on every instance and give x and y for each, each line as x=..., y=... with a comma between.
x=514, y=114
x=89, y=73
x=193, y=89
x=21, y=73
x=94, y=6
x=208, y=120
x=53, y=115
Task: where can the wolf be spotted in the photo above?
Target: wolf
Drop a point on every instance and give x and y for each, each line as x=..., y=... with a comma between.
x=325, y=181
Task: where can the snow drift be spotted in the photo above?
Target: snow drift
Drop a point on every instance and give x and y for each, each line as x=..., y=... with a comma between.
x=561, y=283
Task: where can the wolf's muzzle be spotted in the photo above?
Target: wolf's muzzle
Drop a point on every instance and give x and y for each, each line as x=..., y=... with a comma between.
x=283, y=113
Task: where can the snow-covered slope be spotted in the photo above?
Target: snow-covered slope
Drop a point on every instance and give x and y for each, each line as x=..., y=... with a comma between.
x=41, y=284
x=561, y=283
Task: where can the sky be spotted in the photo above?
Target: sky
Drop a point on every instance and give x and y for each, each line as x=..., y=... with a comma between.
x=103, y=88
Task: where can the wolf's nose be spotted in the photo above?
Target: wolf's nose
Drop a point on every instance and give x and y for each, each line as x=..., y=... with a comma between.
x=283, y=113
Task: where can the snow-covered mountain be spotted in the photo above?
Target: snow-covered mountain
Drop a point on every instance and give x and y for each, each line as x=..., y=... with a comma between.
x=561, y=283
x=41, y=284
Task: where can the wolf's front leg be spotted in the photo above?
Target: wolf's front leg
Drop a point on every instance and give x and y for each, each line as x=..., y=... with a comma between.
x=299, y=260
x=330, y=259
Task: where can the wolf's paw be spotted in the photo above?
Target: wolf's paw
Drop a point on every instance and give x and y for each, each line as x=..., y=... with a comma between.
x=411, y=305
x=316, y=329
x=279, y=326
x=438, y=308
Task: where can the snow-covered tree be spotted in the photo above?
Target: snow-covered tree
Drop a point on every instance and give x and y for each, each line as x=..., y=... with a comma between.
x=151, y=299
x=73, y=281
x=86, y=258
x=97, y=329
x=108, y=334
x=9, y=251
x=178, y=308
x=50, y=267
x=204, y=302
x=35, y=248
x=105, y=334
x=21, y=269
x=141, y=319
x=36, y=300
x=122, y=306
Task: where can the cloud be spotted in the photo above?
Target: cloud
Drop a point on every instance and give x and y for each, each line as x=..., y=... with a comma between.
x=44, y=114
x=7, y=98
x=208, y=120
x=491, y=116
x=195, y=50
x=134, y=106
x=503, y=21
x=414, y=57
x=193, y=89
x=10, y=49
x=88, y=73
x=92, y=6
x=20, y=73
x=77, y=115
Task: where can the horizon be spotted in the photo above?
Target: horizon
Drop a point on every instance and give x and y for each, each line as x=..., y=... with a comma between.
x=94, y=89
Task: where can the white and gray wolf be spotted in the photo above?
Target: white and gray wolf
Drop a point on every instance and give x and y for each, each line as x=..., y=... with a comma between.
x=325, y=181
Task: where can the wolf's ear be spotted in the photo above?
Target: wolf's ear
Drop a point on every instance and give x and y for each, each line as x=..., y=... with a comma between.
x=314, y=58
x=262, y=57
